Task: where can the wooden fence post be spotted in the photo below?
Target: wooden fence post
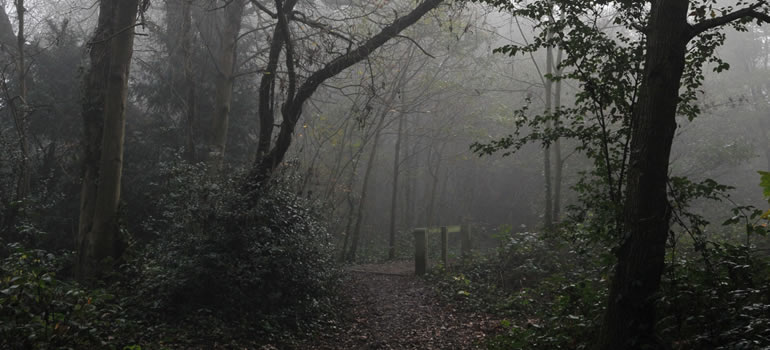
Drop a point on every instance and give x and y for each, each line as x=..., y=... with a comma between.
x=444, y=244
x=465, y=240
x=420, y=251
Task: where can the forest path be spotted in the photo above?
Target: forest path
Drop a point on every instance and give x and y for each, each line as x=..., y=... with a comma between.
x=393, y=309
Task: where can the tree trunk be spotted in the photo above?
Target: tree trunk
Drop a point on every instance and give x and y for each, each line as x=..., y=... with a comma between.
x=229, y=28
x=365, y=187
x=351, y=211
x=430, y=219
x=547, y=217
x=764, y=126
x=394, y=194
x=264, y=166
x=558, y=161
x=179, y=37
x=408, y=179
x=21, y=108
x=630, y=317
x=106, y=86
x=190, y=107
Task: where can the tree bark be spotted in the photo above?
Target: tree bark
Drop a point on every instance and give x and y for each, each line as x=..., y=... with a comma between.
x=408, y=179
x=430, y=219
x=292, y=110
x=351, y=211
x=558, y=161
x=179, y=37
x=629, y=321
x=20, y=106
x=765, y=139
x=106, y=86
x=351, y=256
x=548, y=215
x=394, y=194
x=229, y=28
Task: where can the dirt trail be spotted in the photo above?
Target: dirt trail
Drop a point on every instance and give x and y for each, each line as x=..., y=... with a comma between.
x=393, y=309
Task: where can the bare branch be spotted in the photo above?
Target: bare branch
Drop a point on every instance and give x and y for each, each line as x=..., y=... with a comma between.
x=416, y=44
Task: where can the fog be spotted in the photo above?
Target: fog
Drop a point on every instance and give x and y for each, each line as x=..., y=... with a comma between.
x=430, y=92
x=230, y=165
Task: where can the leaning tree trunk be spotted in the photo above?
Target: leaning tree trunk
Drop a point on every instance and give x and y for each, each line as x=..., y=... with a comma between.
x=106, y=86
x=629, y=322
x=295, y=100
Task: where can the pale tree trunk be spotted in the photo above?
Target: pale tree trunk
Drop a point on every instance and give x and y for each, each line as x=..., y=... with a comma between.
x=764, y=136
x=228, y=29
x=558, y=161
x=394, y=194
x=764, y=127
x=442, y=194
x=408, y=178
x=430, y=218
x=106, y=86
x=351, y=205
x=351, y=256
x=548, y=215
x=179, y=33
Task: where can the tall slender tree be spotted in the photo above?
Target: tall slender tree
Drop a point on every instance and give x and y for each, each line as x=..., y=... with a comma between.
x=104, y=107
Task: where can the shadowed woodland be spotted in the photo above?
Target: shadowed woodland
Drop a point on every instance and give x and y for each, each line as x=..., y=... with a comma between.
x=384, y=174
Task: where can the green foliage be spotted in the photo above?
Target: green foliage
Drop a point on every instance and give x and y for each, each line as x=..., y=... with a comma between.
x=551, y=296
x=263, y=262
x=40, y=311
x=718, y=300
x=765, y=184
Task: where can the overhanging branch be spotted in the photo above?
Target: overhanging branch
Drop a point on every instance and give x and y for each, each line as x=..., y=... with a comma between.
x=748, y=12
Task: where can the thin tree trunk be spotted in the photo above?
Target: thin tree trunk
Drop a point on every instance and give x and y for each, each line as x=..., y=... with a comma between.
x=442, y=198
x=765, y=138
x=21, y=110
x=365, y=188
x=548, y=216
x=230, y=27
x=104, y=116
x=179, y=41
x=434, y=174
x=558, y=161
x=191, y=109
x=394, y=194
x=351, y=210
x=408, y=179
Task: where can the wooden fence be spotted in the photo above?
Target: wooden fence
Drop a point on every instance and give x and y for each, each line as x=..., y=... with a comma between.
x=421, y=244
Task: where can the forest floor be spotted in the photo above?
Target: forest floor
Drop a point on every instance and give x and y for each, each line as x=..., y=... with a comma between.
x=391, y=308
